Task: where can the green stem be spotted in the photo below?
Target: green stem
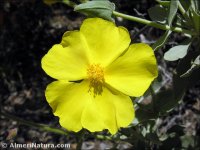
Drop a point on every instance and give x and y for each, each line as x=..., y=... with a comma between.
x=163, y=3
x=180, y=7
x=182, y=10
x=79, y=144
x=32, y=124
x=153, y=24
x=103, y=137
x=153, y=96
x=70, y=3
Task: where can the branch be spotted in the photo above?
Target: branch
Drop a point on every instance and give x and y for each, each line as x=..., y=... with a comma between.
x=153, y=24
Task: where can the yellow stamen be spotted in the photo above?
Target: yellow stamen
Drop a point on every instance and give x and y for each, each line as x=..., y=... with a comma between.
x=96, y=77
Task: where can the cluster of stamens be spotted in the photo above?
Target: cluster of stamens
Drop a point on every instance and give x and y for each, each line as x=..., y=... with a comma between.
x=96, y=77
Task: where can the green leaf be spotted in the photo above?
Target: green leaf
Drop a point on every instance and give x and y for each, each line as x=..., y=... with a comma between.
x=145, y=112
x=153, y=137
x=100, y=8
x=164, y=101
x=195, y=65
x=161, y=41
x=172, y=11
x=179, y=87
x=177, y=52
x=158, y=14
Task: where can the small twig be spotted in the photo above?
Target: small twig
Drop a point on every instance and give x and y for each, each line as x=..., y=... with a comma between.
x=103, y=137
x=182, y=10
x=140, y=31
x=153, y=24
x=33, y=124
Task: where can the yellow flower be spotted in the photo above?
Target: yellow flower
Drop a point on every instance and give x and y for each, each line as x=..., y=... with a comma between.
x=97, y=71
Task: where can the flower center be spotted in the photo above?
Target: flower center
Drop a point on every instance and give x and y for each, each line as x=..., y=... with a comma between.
x=96, y=77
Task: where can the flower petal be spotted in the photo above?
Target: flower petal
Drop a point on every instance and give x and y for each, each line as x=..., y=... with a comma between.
x=77, y=107
x=68, y=101
x=133, y=72
x=108, y=111
x=68, y=61
x=105, y=41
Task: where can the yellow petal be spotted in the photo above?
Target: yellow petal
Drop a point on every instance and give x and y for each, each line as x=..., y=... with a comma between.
x=133, y=72
x=105, y=41
x=76, y=107
x=68, y=101
x=108, y=111
x=67, y=63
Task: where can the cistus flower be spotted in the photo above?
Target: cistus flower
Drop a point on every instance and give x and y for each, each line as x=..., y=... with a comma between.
x=96, y=71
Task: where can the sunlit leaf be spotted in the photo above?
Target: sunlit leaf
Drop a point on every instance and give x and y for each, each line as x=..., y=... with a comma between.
x=177, y=52
x=100, y=8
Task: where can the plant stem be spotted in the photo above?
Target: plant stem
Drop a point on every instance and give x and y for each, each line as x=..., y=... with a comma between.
x=153, y=24
x=70, y=3
x=103, y=137
x=33, y=124
x=153, y=96
x=182, y=10
x=180, y=7
x=163, y=3
x=79, y=144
